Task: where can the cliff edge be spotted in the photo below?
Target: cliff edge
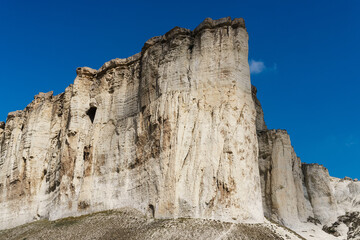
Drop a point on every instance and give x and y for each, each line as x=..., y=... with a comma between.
x=169, y=131
x=173, y=132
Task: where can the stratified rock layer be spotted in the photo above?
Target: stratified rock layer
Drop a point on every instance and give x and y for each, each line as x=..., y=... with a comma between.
x=317, y=181
x=169, y=132
x=302, y=196
x=175, y=131
x=347, y=194
x=283, y=191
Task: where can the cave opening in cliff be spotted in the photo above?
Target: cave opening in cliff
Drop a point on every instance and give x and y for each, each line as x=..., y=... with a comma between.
x=152, y=210
x=91, y=113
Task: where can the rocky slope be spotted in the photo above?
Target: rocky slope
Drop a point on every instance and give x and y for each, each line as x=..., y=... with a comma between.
x=127, y=224
x=175, y=131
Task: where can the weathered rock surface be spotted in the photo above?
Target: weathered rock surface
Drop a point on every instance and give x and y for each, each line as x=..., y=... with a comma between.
x=260, y=120
x=298, y=195
x=169, y=132
x=347, y=225
x=347, y=194
x=321, y=194
x=175, y=131
x=284, y=195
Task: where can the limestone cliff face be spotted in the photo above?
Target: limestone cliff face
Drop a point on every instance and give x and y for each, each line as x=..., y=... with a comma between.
x=296, y=194
x=169, y=131
x=174, y=131
x=347, y=194
x=284, y=194
x=321, y=194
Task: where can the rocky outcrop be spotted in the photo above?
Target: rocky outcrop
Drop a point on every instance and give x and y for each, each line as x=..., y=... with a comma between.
x=169, y=132
x=260, y=120
x=175, y=131
x=346, y=194
x=283, y=192
x=321, y=195
x=297, y=194
x=347, y=197
x=347, y=225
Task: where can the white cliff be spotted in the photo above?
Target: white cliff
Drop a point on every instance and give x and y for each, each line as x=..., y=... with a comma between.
x=346, y=194
x=169, y=132
x=303, y=196
x=175, y=131
x=284, y=195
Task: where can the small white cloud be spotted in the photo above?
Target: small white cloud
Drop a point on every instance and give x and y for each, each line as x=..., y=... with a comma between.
x=351, y=141
x=257, y=66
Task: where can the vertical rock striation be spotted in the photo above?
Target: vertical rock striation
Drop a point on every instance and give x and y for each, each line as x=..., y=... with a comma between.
x=284, y=194
x=174, y=131
x=321, y=194
x=297, y=194
x=292, y=192
x=169, y=131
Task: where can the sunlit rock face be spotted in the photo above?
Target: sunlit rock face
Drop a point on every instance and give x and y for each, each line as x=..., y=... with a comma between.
x=303, y=196
x=347, y=197
x=284, y=194
x=347, y=194
x=283, y=191
x=321, y=194
x=170, y=131
x=175, y=131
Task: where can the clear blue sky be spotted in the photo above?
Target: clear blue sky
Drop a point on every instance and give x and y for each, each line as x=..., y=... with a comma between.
x=306, y=54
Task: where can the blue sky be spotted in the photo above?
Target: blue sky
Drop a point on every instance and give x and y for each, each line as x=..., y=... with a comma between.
x=304, y=57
